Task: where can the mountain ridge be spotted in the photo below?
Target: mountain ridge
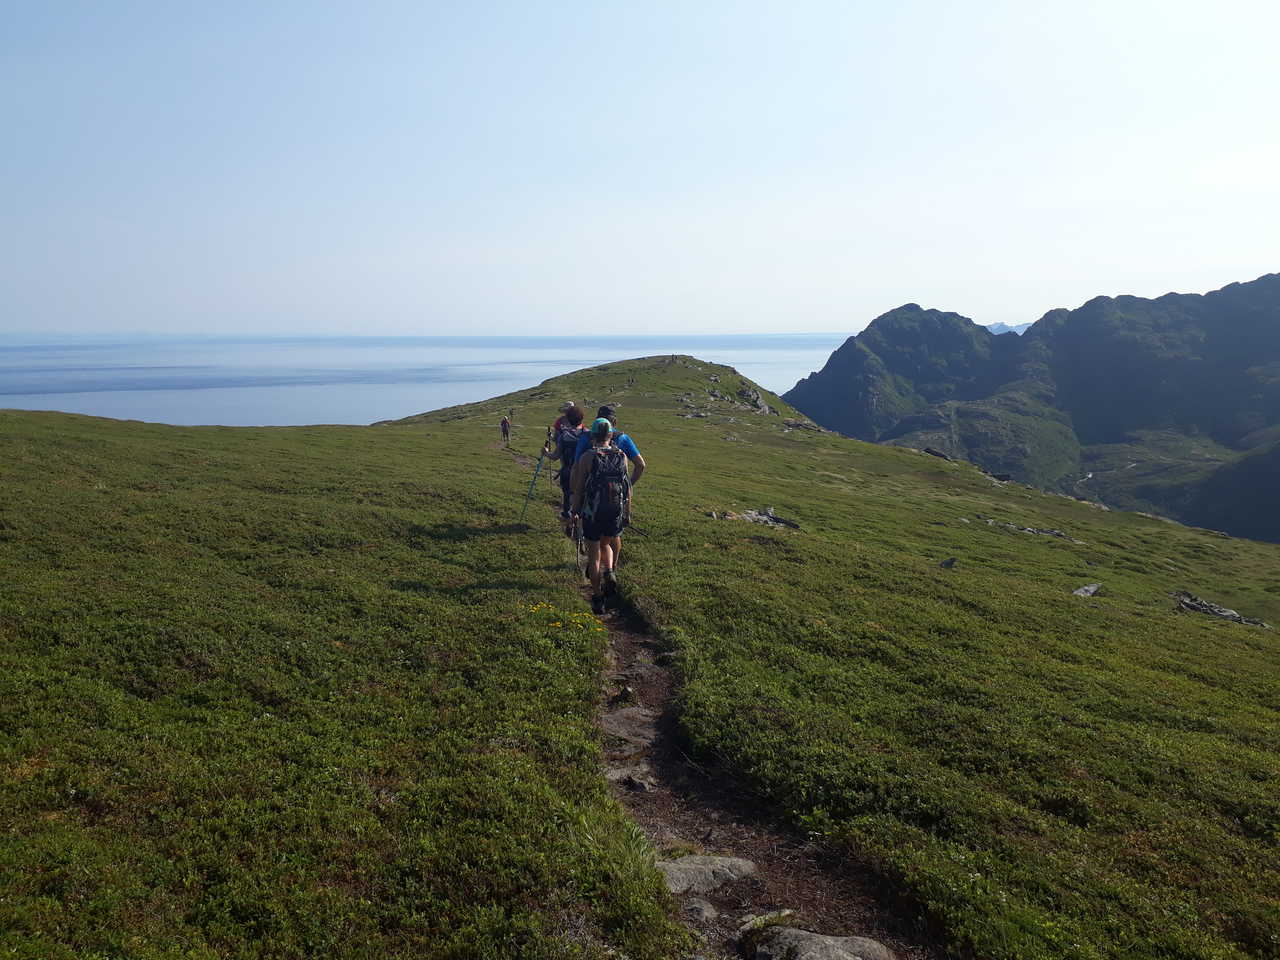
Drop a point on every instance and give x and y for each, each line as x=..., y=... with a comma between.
x=1179, y=385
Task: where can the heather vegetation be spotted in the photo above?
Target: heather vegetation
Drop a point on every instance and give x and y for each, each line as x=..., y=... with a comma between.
x=1042, y=775
x=297, y=692
x=315, y=691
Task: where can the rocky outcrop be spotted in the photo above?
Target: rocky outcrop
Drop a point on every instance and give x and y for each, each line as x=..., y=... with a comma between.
x=1194, y=604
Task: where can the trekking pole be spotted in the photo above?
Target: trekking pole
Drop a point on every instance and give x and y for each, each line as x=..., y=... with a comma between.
x=536, y=471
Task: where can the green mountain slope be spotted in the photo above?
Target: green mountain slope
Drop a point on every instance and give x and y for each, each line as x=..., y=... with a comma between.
x=1079, y=388
x=297, y=692
x=1038, y=774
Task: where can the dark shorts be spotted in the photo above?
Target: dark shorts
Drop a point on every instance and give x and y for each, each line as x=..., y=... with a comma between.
x=593, y=528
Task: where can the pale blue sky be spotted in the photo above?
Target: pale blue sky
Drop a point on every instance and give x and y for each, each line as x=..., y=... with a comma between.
x=407, y=167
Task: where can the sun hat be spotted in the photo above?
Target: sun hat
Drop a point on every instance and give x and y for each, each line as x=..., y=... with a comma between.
x=567, y=406
x=601, y=428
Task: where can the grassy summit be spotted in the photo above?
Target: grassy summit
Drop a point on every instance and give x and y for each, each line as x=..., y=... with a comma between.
x=313, y=692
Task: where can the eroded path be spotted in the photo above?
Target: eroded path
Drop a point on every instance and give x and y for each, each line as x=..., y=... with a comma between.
x=725, y=862
x=747, y=885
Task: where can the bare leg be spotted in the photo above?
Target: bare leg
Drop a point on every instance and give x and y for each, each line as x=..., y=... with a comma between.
x=609, y=547
x=593, y=565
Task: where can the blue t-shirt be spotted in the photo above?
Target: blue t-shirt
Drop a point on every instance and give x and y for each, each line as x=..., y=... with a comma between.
x=620, y=440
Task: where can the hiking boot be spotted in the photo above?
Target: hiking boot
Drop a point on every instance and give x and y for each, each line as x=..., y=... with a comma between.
x=609, y=585
x=597, y=603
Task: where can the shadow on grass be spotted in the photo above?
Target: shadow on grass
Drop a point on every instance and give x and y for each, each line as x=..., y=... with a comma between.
x=425, y=589
x=455, y=532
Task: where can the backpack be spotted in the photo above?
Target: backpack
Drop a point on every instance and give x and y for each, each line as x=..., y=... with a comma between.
x=608, y=487
x=567, y=445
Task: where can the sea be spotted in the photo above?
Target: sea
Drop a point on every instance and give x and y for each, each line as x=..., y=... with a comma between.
x=286, y=381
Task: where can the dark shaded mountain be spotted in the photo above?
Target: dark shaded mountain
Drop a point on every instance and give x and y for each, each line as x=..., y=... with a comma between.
x=1170, y=405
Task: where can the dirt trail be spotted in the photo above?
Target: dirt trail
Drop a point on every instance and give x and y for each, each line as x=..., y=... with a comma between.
x=684, y=810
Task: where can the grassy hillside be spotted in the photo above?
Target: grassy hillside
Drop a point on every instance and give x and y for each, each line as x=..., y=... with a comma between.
x=304, y=692
x=299, y=691
x=1047, y=775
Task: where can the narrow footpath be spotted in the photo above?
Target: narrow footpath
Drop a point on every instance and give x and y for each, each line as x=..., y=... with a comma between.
x=748, y=886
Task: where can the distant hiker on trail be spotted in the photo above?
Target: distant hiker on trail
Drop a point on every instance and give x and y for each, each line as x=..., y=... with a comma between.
x=601, y=503
x=561, y=446
x=506, y=429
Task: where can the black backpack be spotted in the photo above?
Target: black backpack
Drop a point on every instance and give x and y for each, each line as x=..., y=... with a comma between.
x=608, y=487
x=567, y=444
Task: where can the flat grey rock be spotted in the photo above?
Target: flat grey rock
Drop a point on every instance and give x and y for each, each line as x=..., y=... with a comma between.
x=788, y=943
x=703, y=874
x=1088, y=590
x=637, y=771
x=634, y=726
x=700, y=910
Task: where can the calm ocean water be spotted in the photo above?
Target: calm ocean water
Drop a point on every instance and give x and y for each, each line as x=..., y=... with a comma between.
x=287, y=381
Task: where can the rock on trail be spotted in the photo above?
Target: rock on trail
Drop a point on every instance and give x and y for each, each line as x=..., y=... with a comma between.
x=788, y=943
x=703, y=874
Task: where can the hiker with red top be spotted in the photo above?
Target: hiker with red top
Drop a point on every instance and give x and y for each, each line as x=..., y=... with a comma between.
x=561, y=446
x=601, y=503
x=564, y=412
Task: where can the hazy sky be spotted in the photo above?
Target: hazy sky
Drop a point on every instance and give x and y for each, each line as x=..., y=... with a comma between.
x=409, y=167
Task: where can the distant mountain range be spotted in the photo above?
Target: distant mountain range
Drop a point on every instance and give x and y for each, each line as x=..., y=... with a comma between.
x=1170, y=405
x=1018, y=328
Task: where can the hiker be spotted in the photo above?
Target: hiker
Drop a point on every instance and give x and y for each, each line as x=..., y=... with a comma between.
x=620, y=440
x=601, y=503
x=561, y=446
x=564, y=412
x=506, y=429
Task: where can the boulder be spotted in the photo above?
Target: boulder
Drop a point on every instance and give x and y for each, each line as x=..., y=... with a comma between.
x=703, y=874
x=1088, y=590
x=789, y=943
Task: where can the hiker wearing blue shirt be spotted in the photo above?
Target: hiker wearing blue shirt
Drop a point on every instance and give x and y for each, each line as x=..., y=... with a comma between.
x=620, y=440
x=601, y=503
x=627, y=446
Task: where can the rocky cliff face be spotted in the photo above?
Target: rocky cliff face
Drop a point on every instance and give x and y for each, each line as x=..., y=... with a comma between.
x=1138, y=402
